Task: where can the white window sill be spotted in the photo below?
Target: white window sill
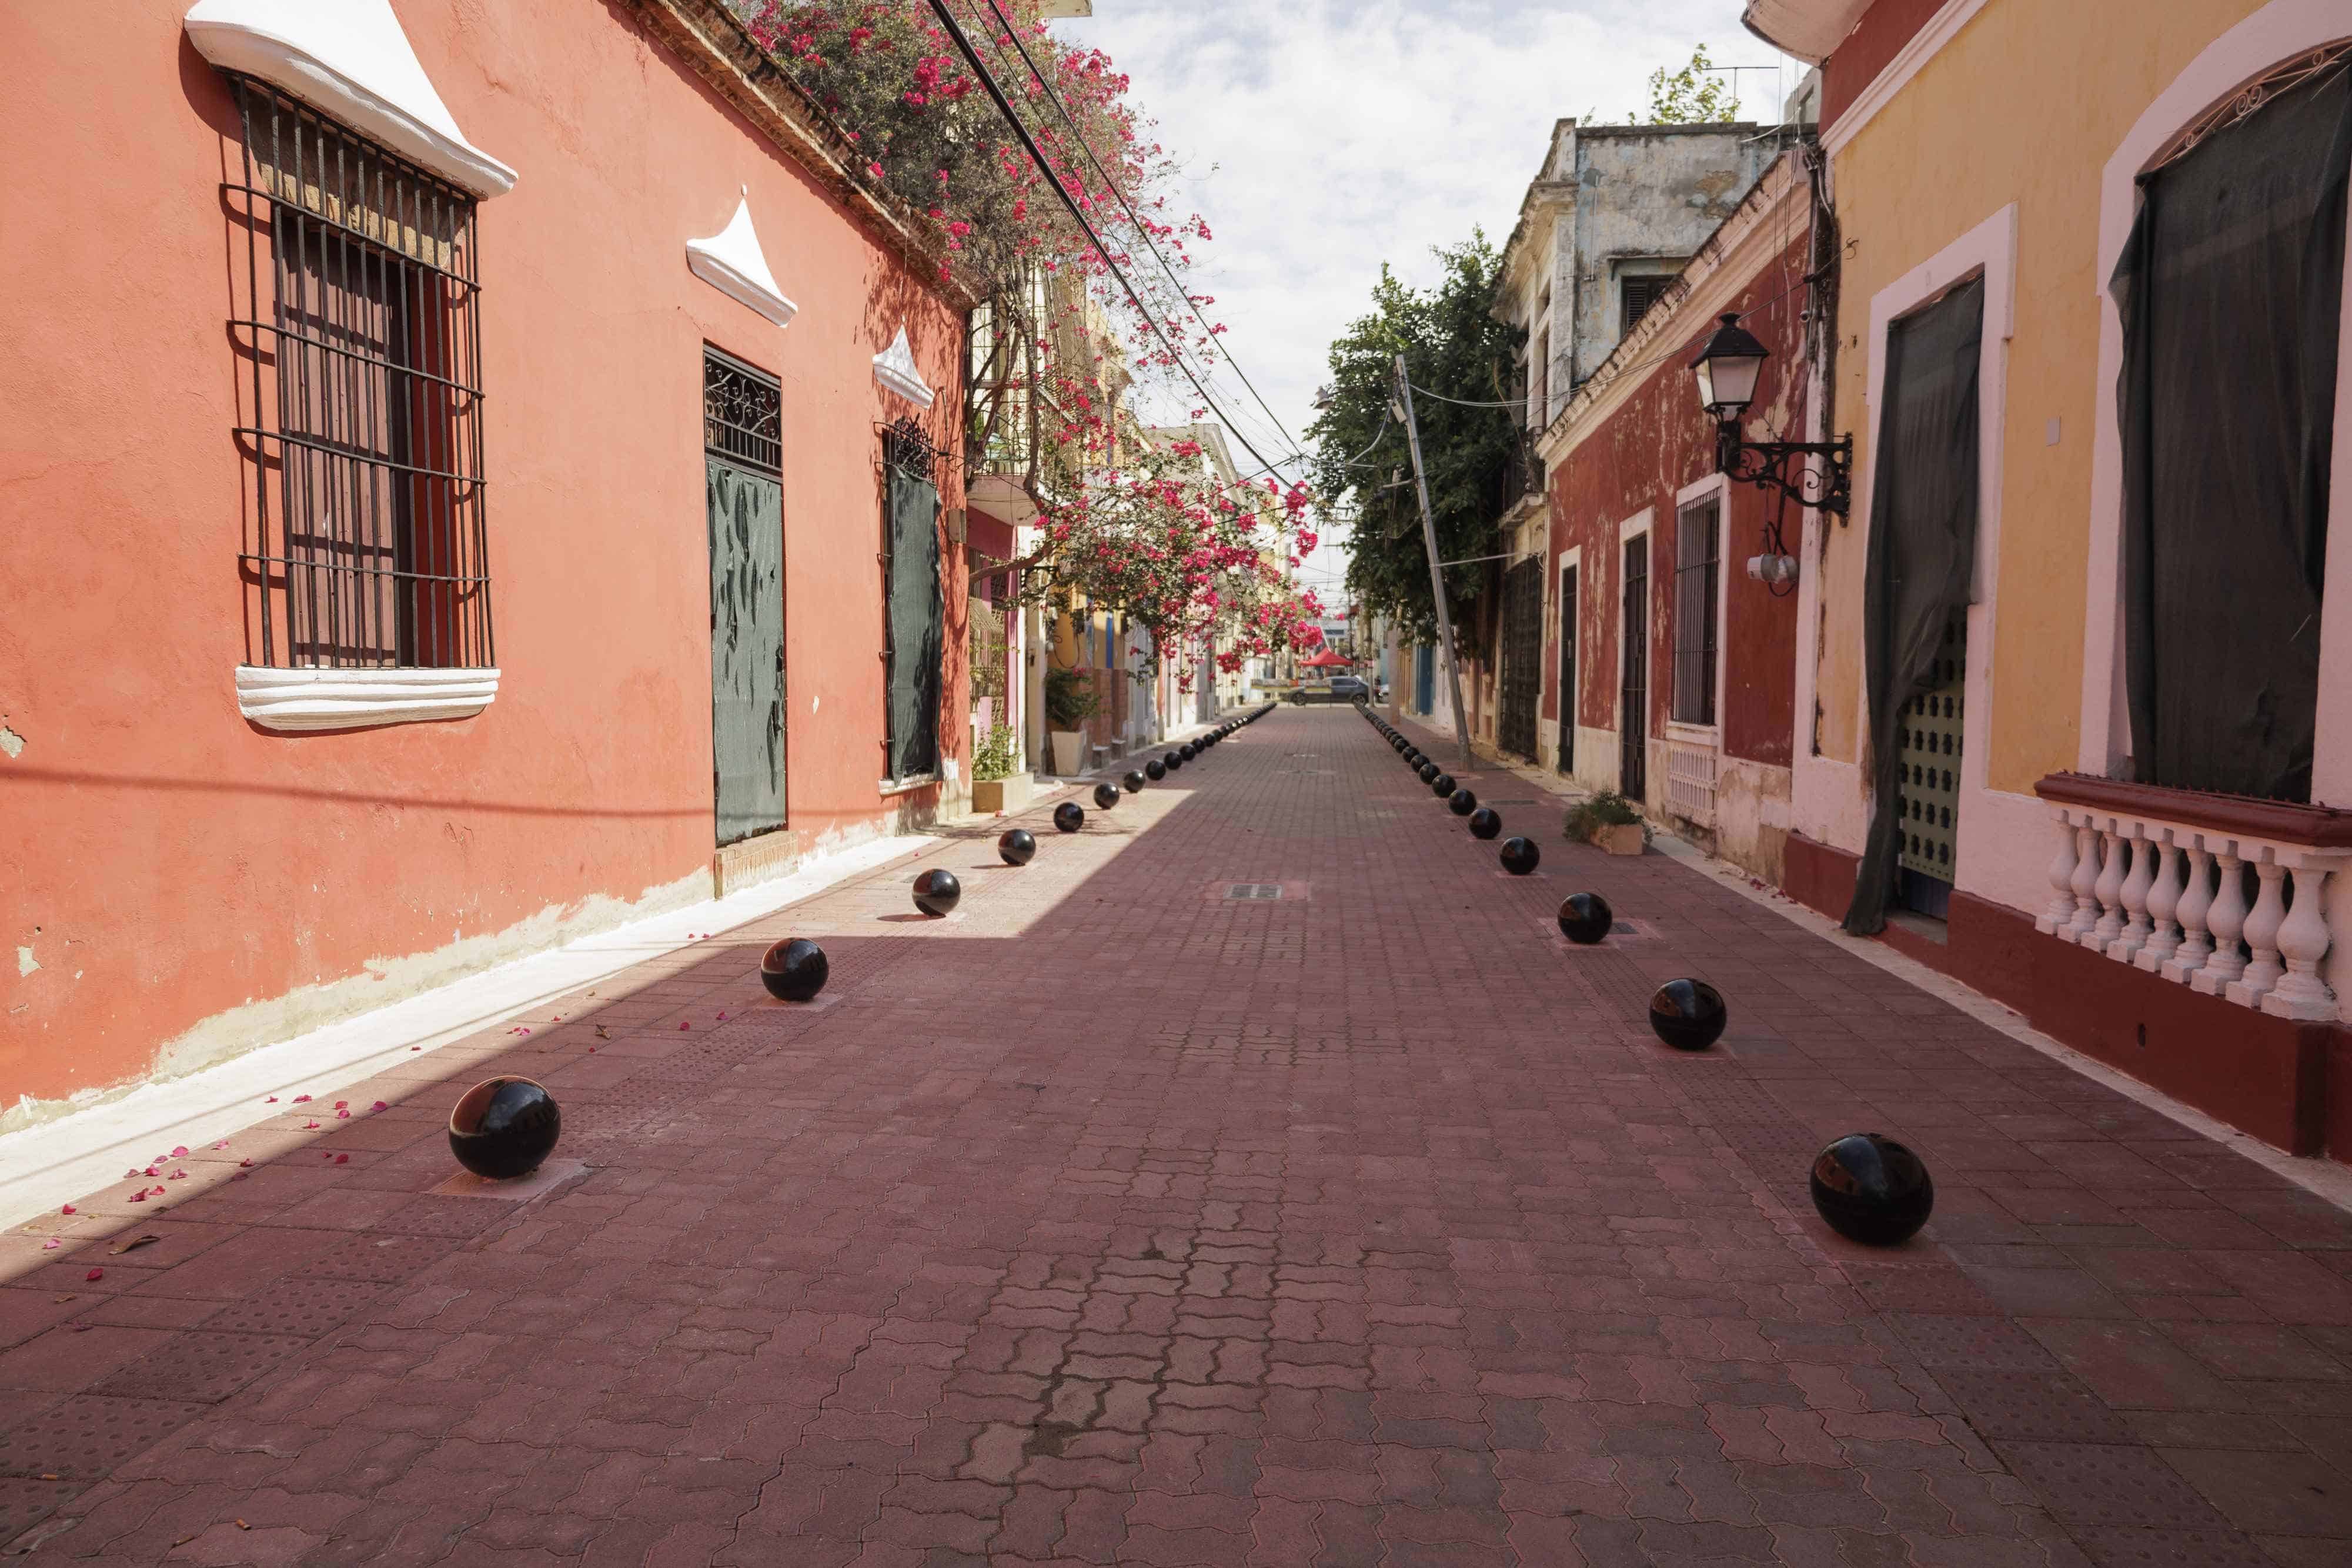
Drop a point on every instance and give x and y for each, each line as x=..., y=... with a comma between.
x=1693, y=734
x=907, y=785
x=295, y=702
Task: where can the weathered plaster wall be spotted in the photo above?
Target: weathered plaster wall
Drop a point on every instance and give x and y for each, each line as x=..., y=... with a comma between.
x=168, y=863
x=1643, y=192
x=1940, y=158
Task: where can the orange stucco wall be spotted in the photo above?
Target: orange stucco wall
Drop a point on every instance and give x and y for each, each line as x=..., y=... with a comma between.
x=163, y=863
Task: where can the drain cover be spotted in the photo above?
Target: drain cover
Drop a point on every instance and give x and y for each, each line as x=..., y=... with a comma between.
x=1253, y=890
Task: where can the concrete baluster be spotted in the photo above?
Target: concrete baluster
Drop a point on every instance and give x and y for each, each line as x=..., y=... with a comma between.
x=2163, y=903
x=2196, y=902
x=2109, y=889
x=2135, y=893
x=2303, y=941
x=2263, y=971
x=2227, y=921
x=2059, y=912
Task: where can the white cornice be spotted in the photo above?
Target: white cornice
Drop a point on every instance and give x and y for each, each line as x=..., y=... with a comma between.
x=300, y=701
x=732, y=262
x=349, y=61
x=894, y=367
x=1940, y=30
x=1703, y=288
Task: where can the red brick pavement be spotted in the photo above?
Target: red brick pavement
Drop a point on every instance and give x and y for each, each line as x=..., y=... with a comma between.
x=1371, y=1227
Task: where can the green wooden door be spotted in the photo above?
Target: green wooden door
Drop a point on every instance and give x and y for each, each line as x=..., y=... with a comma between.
x=747, y=650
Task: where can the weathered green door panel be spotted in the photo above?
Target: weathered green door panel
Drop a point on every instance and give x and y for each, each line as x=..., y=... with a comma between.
x=747, y=650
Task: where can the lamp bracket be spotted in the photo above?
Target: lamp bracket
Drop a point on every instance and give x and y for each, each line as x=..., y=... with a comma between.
x=1784, y=466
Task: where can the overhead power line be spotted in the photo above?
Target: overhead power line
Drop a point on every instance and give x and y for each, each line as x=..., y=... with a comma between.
x=1004, y=107
x=1079, y=136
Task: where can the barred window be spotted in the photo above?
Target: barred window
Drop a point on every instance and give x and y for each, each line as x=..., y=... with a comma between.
x=363, y=416
x=1697, y=563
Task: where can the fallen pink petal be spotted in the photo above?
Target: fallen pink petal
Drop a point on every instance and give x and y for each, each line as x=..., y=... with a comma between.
x=309, y=1126
x=95, y=1274
x=379, y=1105
x=342, y=1159
x=51, y=1245
x=181, y=1153
x=66, y=1210
x=299, y=1098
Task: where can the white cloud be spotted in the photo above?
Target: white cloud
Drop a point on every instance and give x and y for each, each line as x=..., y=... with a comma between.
x=1321, y=139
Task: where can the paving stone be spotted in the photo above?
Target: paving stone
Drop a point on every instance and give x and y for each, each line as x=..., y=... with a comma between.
x=1374, y=1229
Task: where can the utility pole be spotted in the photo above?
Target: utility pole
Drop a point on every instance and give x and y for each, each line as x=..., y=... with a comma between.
x=1436, y=575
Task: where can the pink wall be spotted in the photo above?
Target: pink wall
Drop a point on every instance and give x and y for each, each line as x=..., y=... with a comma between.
x=168, y=862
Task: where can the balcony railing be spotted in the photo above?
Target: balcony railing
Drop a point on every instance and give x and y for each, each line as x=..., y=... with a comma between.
x=2222, y=893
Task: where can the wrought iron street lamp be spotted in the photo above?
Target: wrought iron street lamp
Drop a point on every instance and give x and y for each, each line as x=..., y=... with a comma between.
x=1727, y=370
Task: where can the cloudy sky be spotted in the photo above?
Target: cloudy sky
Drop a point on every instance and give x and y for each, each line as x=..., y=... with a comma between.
x=1324, y=137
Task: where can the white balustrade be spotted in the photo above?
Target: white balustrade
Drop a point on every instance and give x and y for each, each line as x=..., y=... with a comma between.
x=2135, y=895
x=2109, y=889
x=2170, y=898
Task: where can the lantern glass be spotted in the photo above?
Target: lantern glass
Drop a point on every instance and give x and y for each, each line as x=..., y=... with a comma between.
x=1728, y=368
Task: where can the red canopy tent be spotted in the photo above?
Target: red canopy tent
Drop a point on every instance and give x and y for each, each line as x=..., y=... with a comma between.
x=1325, y=659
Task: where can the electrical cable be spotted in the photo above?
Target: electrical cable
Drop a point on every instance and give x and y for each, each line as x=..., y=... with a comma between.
x=1004, y=107
x=1142, y=228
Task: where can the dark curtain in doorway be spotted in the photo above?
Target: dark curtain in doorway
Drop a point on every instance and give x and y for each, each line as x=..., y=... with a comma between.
x=1923, y=542
x=2230, y=290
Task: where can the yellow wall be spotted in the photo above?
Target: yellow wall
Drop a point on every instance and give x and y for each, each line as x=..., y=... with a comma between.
x=2025, y=105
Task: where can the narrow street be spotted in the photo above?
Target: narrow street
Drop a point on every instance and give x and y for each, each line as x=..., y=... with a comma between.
x=1117, y=1221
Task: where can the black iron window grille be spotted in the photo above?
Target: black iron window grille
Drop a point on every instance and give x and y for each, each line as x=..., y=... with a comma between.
x=742, y=413
x=364, y=425
x=908, y=449
x=1697, y=572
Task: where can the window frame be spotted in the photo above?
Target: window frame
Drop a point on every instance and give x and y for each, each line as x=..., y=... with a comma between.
x=1711, y=491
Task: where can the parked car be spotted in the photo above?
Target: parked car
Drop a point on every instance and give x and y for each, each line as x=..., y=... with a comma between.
x=1337, y=689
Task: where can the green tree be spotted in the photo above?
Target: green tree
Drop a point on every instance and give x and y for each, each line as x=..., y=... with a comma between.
x=1696, y=94
x=1455, y=349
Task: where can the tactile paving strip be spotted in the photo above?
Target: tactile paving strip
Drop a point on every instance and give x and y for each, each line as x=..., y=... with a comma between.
x=447, y=1218
x=2034, y=1406
x=307, y=1306
x=377, y=1259
x=2098, y=1483
x=202, y=1365
x=1970, y=1345
x=87, y=1435
x=25, y=1502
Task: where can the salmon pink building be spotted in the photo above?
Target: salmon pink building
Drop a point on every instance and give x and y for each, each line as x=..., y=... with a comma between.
x=473, y=478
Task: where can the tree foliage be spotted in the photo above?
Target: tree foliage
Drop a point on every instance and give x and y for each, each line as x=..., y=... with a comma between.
x=1455, y=349
x=1699, y=93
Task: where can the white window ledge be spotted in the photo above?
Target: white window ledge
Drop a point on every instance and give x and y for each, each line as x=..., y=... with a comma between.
x=295, y=701
x=907, y=785
x=349, y=61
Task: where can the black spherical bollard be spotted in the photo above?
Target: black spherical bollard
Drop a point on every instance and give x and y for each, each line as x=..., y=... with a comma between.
x=1174, y=760
x=1442, y=786
x=1105, y=795
x=1134, y=782
x=1585, y=918
x=1520, y=856
x=794, y=970
x=1872, y=1189
x=1188, y=751
x=1155, y=770
x=1462, y=802
x=937, y=892
x=1016, y=845
x=1428, y=771
x=504, y=1127
x=1486, y=823
x=1069, y=816
x=1689, y=1015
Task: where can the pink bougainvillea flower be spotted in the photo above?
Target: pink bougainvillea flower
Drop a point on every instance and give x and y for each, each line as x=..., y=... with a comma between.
x=131, y=1171
x=379, y=1105
x=149, y=1171
x=139, y=1197
x=722, y=1017
x=298, y=1099
x=181, y=1153
x=341, y=1104
x=271, y=1101
x=682, y=1026
x=308, y=1126
x=95, y=1274
x=243, y=1164
x=222, y=1145
x=342, y=1159
x=66, y=1210
x=179, y=1175
x=156, y=1192
x=51, y=1245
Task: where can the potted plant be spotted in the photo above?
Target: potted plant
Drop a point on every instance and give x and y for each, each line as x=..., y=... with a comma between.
x=1070, y=701
x=995, y=785
x=1611, y=822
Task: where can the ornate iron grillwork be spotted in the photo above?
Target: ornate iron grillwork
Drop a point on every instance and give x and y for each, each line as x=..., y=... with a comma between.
x=1927, y=744
x=2247, y=99
x=1522, y=656
x=364, y=424
x=742, y=413
x=906, y=448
